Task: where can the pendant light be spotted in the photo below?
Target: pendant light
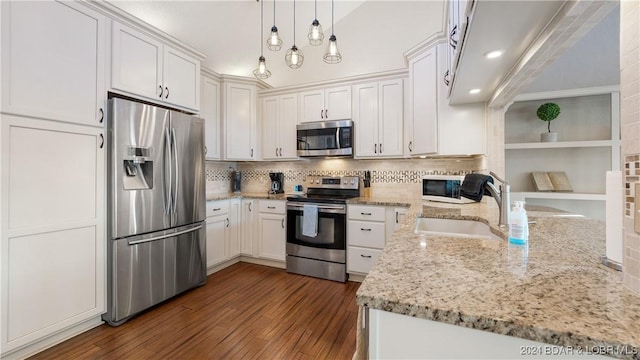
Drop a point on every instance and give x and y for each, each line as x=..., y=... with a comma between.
x=294, y=57
x=332, y=56
x=274, y=42
x=261, y=72
x=315, y=30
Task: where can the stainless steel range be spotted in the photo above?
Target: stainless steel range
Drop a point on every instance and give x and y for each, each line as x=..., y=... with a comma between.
x=317, y=227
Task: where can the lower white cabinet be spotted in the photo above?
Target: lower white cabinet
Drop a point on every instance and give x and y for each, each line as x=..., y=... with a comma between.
x=366, y=236
x=235, y=228
x=247, y=233
x=52, y=234
x=272, y=229
x=218, y=232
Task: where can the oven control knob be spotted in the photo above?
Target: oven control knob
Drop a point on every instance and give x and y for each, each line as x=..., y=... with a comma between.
x=353, y=182
x=318, y=181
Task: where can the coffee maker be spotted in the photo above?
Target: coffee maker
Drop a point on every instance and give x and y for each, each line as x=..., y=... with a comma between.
x=277, y=183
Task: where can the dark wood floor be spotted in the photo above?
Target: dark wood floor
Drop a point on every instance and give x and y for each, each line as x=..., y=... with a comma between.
x=244, y=311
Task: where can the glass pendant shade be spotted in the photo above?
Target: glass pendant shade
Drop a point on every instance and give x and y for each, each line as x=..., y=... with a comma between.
x=294, y=57
x=261, y=72
x=315, y=33
x=332, y=56
x=274, y=42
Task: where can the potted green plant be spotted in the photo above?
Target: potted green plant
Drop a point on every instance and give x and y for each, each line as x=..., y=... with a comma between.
x=548, y=112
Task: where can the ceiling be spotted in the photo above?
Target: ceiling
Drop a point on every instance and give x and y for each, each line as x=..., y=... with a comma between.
x=372, y=35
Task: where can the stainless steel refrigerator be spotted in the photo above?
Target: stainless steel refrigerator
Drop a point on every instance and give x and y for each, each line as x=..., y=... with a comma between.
x=156, y=206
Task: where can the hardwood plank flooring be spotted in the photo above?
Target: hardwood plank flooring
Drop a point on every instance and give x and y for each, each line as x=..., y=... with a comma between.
x=245, y=311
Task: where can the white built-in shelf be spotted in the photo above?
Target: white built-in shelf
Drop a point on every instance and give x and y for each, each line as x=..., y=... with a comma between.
x=559, y=195
x=559, y=144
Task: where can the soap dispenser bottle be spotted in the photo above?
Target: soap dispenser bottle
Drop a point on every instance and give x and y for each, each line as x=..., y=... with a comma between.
x=519, y=226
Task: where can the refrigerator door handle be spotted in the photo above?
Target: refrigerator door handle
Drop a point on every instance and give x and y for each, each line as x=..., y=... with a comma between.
x=155, y=238
x=167, y=165
x=176, y=169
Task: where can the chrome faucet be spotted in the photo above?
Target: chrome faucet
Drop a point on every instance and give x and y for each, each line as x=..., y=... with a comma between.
x=502, y=198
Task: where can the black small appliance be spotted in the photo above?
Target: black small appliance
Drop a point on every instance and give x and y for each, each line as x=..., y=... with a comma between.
x=236, y=181
x=277, y=183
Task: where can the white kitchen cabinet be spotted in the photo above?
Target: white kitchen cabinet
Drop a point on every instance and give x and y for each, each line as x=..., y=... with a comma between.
x=461, y=128
x=279, y=119
x=142, y=65
x=239, y=121
x=210, y=112
x=52, y=234
x=235, y=227
x=247, y=234
x=272, y=230
x=378, y=118
x=53, y=61
x=326, y=104
x=218, y=232
x=366, y=236
x=421, y=130
x=398, y=217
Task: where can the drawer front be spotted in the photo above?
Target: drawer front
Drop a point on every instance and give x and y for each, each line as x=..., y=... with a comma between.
x=361, y=260
x=370, y=213
x=272, y=206
x=215, y=208
x=366, y=233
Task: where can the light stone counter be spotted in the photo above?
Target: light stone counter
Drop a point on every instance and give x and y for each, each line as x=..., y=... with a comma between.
x=245, y=195
x=562, y=295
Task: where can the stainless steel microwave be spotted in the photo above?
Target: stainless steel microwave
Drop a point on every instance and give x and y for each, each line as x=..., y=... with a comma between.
x=443, y=188
x=325, y=138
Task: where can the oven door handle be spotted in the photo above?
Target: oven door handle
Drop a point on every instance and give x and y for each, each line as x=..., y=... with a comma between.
x=340, y=209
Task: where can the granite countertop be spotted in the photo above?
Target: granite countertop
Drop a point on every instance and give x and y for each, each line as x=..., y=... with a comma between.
x=562, y=295
x=262, y=196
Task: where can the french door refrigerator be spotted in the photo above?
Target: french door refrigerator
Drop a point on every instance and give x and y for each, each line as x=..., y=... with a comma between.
x=156, y=206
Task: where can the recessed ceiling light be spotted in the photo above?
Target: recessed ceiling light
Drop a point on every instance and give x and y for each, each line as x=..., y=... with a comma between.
x=474, y=91
x=493, y=54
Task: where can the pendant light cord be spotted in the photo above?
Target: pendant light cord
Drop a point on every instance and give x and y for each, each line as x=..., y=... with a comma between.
x=262, y=26
x=274, y=12
x=294, y=22
x=332, y=17
x=315, y=14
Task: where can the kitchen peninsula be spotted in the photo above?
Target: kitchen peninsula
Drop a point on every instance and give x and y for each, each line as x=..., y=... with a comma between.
x=561, y=295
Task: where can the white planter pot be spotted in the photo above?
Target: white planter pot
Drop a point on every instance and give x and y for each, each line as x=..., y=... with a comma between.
x=549, y=136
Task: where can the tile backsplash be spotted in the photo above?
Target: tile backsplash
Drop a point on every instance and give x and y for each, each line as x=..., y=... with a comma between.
x=397, y=177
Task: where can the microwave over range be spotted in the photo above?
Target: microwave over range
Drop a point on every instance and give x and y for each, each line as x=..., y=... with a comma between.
x=325, y=138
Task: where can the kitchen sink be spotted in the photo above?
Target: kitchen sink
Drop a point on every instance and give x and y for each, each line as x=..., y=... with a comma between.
x=455, y=228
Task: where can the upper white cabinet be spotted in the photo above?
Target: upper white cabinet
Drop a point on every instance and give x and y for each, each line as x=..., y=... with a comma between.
x=461, y=128
x=326, y=104
x=433, y=127
x=210, y=112
x=53, y=61
x=421, y=135
x=378, y=118
x=279, y=120
x=239, y=121
x=144, y=66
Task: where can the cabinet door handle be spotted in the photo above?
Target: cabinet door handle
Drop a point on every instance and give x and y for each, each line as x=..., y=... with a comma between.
x=101, y=141
x=380, y=148
x=365, y=256
x=280, y=151
x=250, y=207
x=161, y=91
x=367, y=214
x=452, y=41
x=217, y=209
x=227, y=222
x=271, y=207
x=410, y=146
x=396, y=217
x=205, y=150
x=166, y=96
x=276, y=151
x=364, y=229
x=282, y=223
x=326, y=113
x=101, y=115
x=321, y=116
x=375, y=148
x=445, y=78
